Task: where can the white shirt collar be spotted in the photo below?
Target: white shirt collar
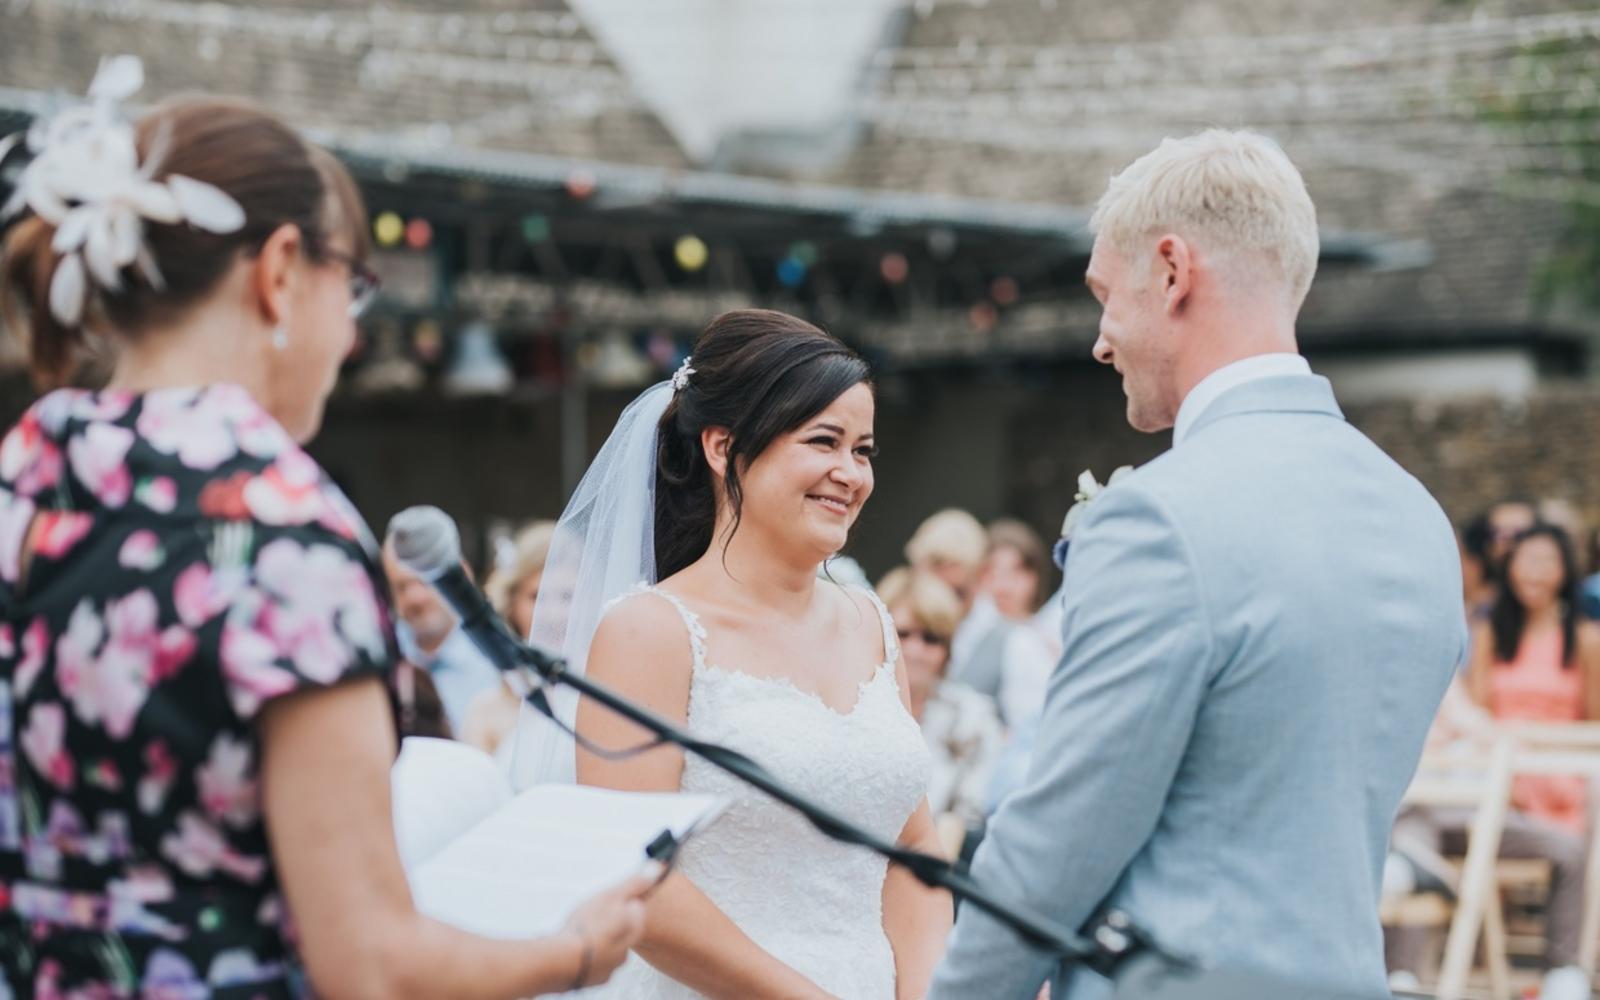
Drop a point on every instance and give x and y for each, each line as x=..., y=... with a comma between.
x=1228, y=377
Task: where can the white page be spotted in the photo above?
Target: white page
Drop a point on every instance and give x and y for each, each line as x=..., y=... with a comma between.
x=521, y=871
x=441, y=789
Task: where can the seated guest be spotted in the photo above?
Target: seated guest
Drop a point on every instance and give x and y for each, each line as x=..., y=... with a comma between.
x=1012, y=659
x=418, y=709
x=1477, y=573
x=961, y=727
x=512, y=589
x=195, y=739
x=1535, y=660
x=1589, y=599
x=1507, y=519
x=951, y=545
x=428, y=636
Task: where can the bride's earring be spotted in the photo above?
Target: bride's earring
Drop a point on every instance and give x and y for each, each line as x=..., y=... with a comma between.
x=280, y=337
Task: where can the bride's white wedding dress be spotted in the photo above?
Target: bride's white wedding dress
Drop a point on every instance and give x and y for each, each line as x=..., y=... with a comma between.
x=814, y=904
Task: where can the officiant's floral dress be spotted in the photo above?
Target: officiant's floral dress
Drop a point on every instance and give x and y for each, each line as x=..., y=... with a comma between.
x=189, y=564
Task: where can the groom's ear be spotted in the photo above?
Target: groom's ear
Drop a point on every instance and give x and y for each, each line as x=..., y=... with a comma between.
x=714, y=441
x=1174, y=271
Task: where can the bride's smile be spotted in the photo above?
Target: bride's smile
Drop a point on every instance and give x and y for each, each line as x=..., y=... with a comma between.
x=826, y=465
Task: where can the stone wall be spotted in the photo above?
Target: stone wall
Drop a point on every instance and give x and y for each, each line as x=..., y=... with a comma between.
x=1471, y=453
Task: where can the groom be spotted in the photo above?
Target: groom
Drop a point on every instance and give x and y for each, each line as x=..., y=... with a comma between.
x=1259, y=624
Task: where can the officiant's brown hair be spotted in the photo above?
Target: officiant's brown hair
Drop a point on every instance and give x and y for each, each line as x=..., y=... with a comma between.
x=758, y=373
x=276, y=177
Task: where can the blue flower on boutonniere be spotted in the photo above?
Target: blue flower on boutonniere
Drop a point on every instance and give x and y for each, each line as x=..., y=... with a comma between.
x=1088, y=489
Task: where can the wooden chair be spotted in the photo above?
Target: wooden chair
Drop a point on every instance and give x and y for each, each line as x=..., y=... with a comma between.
x=1528, y=749
x=1477, y=906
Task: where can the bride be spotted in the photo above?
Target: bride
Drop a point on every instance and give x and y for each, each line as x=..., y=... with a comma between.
x=724, y=491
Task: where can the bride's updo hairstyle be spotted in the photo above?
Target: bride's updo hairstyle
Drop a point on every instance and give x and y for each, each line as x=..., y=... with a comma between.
x=273, y=174
x=760, y=374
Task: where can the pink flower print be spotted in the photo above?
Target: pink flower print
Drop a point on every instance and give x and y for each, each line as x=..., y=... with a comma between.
x=199, y=849
x=227, y=783
x=159, y=493
x=289, y=491
x=55, y=532
x=170, y=976
x=223, y=499
x=111, y=688
x=261, y=436
x=47, y=981
x=160, y=769
x=76, y=648
x=16, y=517
x=8, y=641
x=176, y=423
x=99, y=458
x=141, y=551
x=325, y=604
x=104, y=775
x=239, y=967
x=142, y=885
x=35, y=644
x=107, y=405
x=43, y=741
x=200, y=595
x=29, y=460
x=341, y=516
x=249, y=662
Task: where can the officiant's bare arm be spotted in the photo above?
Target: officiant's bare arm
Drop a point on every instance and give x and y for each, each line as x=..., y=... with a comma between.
x=641, y=651
x=325, y=790
x=916, y=919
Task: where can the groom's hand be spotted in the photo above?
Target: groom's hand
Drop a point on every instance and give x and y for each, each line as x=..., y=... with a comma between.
x=610, y=924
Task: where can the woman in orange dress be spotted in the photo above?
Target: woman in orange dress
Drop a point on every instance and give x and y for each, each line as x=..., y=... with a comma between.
x=1536, y=660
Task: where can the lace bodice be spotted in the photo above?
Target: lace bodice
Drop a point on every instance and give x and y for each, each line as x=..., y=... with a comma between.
x=814, y=904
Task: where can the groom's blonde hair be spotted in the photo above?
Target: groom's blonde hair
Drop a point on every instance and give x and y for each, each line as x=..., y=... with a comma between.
x=1230, y=191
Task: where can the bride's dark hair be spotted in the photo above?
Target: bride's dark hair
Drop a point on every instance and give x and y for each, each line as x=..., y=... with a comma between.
x=758, y=373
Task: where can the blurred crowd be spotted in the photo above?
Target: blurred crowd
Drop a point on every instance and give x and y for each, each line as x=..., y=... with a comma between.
x=1531, y=601
x=977, y=612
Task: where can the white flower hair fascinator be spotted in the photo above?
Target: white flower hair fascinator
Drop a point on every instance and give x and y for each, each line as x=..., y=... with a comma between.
x=680, y=378
x=85, y=179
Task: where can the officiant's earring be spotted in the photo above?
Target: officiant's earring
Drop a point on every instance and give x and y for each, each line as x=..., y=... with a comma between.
x=280, y=337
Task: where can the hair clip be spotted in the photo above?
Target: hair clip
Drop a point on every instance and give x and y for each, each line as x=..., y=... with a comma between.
x=680, y=378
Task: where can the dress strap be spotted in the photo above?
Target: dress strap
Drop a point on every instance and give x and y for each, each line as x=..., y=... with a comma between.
x=891, y=637
x=691, y=622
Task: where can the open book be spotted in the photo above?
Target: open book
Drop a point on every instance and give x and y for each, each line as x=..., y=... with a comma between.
x=508, y=865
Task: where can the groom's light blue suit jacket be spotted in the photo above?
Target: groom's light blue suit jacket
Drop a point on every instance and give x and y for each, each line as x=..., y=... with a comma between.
x=1260, y=625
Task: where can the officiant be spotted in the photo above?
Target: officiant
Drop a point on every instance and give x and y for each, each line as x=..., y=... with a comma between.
x=195, y=739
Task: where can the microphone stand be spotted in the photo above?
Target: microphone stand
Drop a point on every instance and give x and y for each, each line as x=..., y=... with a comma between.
x=1116, y=948
x=1114, y=940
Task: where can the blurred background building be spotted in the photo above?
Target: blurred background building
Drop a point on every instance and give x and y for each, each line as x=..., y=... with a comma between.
x=564, y=193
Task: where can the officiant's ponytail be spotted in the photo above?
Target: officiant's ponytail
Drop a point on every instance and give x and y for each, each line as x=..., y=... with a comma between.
x=760, y=374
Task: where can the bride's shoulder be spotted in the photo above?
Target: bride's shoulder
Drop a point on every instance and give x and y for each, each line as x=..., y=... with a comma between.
x=856, y=608
x=646, y=615
x=851, y=597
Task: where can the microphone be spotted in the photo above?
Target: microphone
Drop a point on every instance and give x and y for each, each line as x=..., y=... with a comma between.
x=425, y=541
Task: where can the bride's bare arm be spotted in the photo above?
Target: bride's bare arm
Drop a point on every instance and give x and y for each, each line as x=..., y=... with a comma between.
x=642, y=652
x=916, y=919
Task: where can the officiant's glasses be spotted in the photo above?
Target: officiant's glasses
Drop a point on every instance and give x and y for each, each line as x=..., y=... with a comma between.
x=364, y=281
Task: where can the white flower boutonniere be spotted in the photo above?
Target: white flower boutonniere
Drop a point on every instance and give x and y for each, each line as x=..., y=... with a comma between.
x=1088, y=489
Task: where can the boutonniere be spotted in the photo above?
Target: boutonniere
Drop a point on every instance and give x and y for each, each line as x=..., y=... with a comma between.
x=1088, y=489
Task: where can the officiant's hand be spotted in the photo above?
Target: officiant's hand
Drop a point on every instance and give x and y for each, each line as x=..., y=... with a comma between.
x=610, y=924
